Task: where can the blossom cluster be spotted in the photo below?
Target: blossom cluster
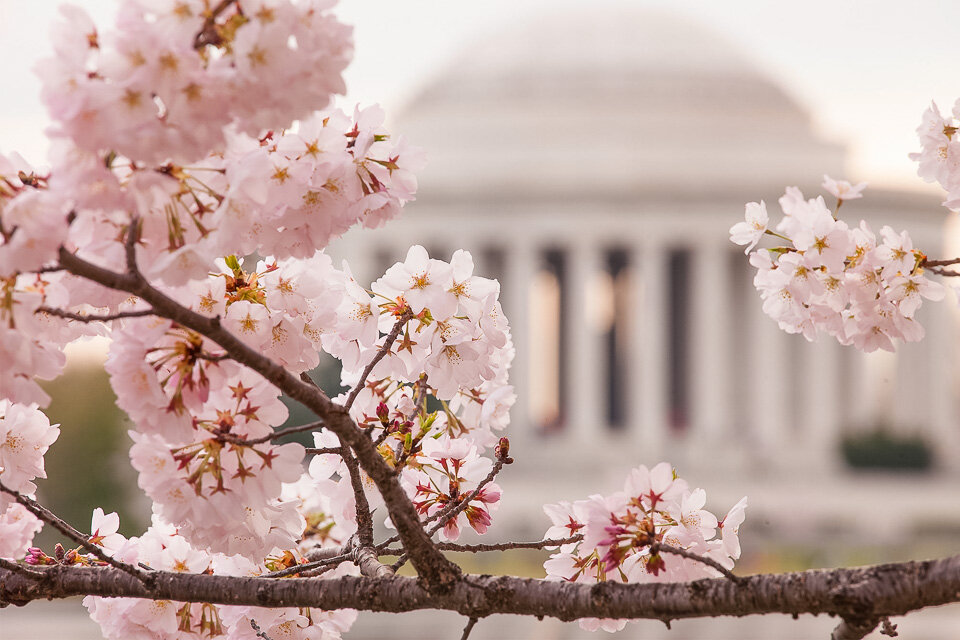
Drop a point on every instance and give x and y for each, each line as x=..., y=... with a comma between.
x=286, y=193
x=452, y=349
x=170, y=77
x=939, y=156
x=203, y=422
x=25, y=436
x=619, y=535
x=162, y=547
x=836, y=279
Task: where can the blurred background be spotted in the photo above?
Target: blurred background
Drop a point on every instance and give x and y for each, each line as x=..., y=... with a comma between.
x=593, y=158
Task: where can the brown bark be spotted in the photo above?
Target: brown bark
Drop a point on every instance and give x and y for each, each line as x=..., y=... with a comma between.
x=859, y=595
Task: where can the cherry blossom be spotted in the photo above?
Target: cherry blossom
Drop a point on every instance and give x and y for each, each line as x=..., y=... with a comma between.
x=839, y=280
x=752, y=229
x=25, y=435
x=619, y=533
x=843, y=190
x=17, y=528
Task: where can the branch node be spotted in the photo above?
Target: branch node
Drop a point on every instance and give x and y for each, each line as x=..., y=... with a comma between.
x=887, y=628
x=467, y=629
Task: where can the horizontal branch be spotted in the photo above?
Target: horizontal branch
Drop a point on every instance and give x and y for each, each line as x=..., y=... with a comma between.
x=941, y=263
x=496, y=546
x=853, y=594
x=93, y=317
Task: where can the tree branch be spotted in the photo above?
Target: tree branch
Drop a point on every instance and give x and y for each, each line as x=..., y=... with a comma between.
x=854, y=594
x=322, y=451
x=92, y=317
x=940, y=263
x=656, y=547
x=451, y=510
x=368, y=560
x=60, y=525
x=454, y=509
x=499, y=546
x=437, y=572
x=279, y=433
x=364, y=517
x=854, y=628
x=384, y=349
x=471, y=622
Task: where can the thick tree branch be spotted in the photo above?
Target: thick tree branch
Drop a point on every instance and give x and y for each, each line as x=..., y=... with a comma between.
x=437, y=572
x=853, y=594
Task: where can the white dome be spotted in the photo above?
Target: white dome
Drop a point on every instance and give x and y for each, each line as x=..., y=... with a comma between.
x=609, y=102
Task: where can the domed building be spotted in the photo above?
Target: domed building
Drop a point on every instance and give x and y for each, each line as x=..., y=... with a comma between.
x=594, y=164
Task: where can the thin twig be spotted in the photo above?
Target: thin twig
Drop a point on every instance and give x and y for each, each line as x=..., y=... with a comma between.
x=130, y=248
x=657, y=547
x=940, y=271
x=260, y=633
x=49, y=517
x=391, y=338
x=364, y=517
x=500, y=546
x=276, y=435
x=467, y=629
x=321, y=451
x=208, y=32
x=16, y=567
x=402, y=560
x=92, y=317
x=940, y=263
x=453, y=509
x=383, y=436
x=306, y=566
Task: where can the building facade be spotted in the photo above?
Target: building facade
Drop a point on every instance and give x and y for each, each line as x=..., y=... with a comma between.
x=594, y=164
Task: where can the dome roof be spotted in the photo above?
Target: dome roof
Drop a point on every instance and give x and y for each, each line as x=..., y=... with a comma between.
x=635, y=43
x=615, y=99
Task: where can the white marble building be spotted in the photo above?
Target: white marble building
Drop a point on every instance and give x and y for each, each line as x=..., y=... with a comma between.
x=594, y=164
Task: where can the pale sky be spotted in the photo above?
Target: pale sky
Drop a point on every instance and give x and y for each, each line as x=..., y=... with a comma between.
x=866, y=70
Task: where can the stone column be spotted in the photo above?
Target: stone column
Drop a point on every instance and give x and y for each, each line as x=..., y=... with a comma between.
x=520, y=263
x=647, y=396
x=942, y=384
x=584, y=381
x=709, y=368
x=770, y=415
x=821, y=401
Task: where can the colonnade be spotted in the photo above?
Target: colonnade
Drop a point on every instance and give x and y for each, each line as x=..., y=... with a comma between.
x=706, y=375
